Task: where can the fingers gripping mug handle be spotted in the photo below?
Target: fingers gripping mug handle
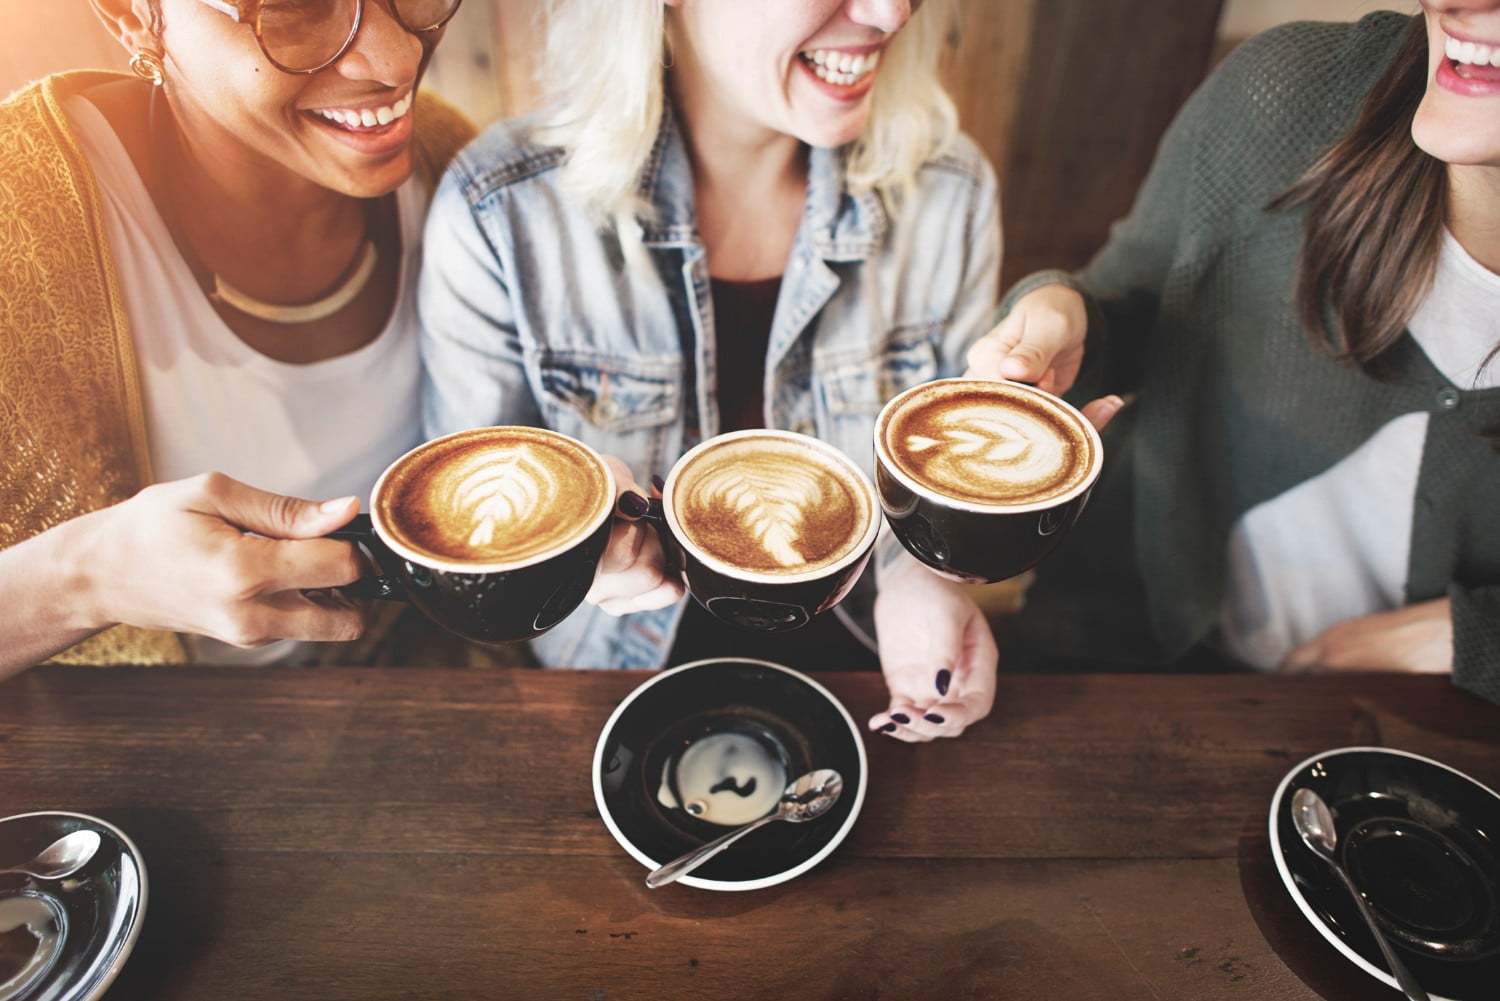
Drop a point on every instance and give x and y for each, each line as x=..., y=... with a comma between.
x=377, y=583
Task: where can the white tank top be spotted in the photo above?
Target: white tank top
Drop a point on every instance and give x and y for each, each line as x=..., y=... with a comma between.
x=1338, y=546
x=213, y=403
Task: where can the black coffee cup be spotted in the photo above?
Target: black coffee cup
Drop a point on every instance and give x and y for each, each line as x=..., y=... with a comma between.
x=981, y=479
x=545, y=501
x=767, y=529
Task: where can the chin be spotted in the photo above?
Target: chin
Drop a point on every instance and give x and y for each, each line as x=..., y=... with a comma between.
x=1456, y=141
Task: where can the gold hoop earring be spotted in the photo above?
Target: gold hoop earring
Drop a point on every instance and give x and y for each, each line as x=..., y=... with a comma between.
x=148, y=66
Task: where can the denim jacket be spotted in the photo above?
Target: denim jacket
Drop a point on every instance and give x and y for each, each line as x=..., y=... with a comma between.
x=530, y=315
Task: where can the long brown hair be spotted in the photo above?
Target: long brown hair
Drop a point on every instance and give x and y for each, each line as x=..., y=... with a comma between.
x=1376, y=208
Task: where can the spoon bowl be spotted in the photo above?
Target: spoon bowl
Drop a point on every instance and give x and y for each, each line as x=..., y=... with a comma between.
x=61, y=859
x=807, y=798
x=1314, y=823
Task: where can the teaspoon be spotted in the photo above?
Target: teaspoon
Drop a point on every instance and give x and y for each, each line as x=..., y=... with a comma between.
x=1314, y=821
x=62, y=858
x=808, y=798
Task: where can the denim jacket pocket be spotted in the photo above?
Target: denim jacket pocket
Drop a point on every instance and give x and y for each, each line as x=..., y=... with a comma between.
x=587, y=393
x=860, y=387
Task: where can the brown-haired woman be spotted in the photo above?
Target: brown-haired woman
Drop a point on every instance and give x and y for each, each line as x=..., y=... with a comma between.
x=206, y=280
x=1305, y=301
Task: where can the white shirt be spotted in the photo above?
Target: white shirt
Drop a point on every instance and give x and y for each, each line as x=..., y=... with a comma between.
x=1338, y=546
x=213, y=403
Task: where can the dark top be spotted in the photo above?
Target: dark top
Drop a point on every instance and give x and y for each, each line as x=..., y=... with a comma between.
x=743, y=312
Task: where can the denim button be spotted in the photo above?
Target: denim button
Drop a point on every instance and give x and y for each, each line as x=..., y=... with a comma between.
x=605, y=411
x=1447, y=398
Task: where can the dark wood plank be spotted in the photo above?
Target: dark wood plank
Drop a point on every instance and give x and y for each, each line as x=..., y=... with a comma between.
x=1103, y=79
x=252, y=925
x=357, y=833
x=351, y=759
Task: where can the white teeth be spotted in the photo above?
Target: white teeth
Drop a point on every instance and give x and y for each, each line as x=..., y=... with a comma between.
x=840, y=68
x=367, y=117
x=1472, y=53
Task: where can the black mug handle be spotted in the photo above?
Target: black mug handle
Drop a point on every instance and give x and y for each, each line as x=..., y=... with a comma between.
x=379, y=584
x=656, y=514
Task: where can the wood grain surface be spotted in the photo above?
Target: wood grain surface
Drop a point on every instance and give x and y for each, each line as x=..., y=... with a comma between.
x=431, y=833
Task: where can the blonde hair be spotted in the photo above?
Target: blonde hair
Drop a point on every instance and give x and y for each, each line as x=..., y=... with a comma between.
x=605, y=68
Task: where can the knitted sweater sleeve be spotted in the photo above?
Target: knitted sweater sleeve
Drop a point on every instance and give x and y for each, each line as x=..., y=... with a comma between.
x=1476, y=639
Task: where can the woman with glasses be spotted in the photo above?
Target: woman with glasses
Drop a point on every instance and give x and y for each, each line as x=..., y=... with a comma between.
x=737, y=213
x=206, y=294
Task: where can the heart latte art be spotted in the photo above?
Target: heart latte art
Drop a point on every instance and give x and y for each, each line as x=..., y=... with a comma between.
x=771, y=505
x=494, y=496
x=987, y=443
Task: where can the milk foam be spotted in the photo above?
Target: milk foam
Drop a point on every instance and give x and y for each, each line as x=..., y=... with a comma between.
x=495, y=496
x=987, y=444
x=770, y=506
x=724, y=778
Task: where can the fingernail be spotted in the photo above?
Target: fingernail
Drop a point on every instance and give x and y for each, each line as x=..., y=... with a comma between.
x=888, y=728
x=933, y=718
x=633, y=505
x=659, y=483
x=901, y=717
x=337, y=504
x=944, y=678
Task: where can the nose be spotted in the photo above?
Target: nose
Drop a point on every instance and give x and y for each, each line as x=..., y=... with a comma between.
x=889, y=16
x=383, y=50
x=1458, y=8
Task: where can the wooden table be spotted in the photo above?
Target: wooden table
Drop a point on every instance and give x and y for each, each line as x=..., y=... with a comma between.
x=420, y=833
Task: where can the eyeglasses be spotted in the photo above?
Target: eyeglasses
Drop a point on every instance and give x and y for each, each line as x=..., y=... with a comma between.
x=305, y=36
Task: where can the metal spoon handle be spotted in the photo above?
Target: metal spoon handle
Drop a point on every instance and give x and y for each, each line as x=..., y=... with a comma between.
x=685, y=864
x=1403, y=976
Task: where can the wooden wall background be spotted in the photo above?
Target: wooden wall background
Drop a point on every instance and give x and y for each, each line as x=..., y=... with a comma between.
x=1068, y=97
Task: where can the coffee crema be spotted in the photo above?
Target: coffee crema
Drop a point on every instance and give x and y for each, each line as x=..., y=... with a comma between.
x=500, y=495
x=987, y=443
x=771, y=505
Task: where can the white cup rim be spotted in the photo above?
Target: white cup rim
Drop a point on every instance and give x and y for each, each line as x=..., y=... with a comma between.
x=434, y=561
x=891, y=467
x=856, y=552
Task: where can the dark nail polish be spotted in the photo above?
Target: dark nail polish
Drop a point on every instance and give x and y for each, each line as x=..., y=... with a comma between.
x=888, y=728
x=944, y=677
x=659, y=483
x=933, y=718
x=633, y=505
x=901, y=717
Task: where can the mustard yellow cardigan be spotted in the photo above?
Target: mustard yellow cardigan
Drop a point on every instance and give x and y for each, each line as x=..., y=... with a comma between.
x=72, y=426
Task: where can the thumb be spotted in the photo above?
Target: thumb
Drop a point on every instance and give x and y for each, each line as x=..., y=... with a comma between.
x=277, y=516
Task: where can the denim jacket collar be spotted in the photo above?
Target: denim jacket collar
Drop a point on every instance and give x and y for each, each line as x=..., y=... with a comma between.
x=837, y=224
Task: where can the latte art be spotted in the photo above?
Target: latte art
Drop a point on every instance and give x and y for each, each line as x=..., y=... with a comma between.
x=494, y=496
x=987, y=443
x=770, y=505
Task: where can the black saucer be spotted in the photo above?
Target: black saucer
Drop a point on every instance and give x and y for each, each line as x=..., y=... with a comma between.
x=796, y=719
x=96, y=914
x=1419, y=840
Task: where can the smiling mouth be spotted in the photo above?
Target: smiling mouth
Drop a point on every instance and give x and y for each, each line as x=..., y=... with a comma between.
x=840, y=68
x=1473, y=60
x=365, y=119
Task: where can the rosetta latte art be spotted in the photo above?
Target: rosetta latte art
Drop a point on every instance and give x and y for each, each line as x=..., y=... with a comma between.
x=773, y=511
x=766, y=507
x=500, y=497
x=495, y=496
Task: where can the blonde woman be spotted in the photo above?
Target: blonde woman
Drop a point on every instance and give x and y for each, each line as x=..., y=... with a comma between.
x=207, y=275
x=736, y=213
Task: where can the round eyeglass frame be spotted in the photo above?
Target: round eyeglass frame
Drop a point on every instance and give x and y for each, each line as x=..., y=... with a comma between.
x=250, y=16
